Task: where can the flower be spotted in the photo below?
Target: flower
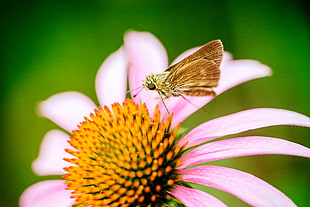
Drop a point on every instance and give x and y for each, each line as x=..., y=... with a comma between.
x=160, y=168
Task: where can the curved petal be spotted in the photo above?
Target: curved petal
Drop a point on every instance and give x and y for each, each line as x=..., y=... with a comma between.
x=146, y=56
x=243, y=121
x=233, y=72
x=195, y=198
x=242, y=146
x=227, y=58
x=247, y=187
x=67, y=109
x=49, y=193
x=52, y=151
x=111, y=79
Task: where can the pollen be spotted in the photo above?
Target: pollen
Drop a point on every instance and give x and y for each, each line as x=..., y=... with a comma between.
x=123, y=157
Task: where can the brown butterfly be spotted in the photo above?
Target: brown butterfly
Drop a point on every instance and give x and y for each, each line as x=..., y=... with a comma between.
x=195, y=75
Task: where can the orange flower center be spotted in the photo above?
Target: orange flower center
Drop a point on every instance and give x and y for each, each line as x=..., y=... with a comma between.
x=123, y=157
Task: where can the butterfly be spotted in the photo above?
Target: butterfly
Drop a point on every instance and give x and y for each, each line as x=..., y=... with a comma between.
x=196, y=75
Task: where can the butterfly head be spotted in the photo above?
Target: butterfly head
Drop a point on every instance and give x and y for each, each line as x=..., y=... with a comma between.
x=150, y=82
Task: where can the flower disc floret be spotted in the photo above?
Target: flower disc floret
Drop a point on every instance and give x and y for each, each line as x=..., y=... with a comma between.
x=123, y=157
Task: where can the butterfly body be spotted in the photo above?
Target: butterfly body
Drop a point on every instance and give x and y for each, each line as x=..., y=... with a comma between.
x=158, y=83
x=195, y=75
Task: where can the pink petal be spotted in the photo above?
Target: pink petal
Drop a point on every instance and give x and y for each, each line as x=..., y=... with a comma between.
x=184, y=108
x=67, y=109
x=195, y=198
x=52, y=151
x=227, y=58
x=111, y=79
x=233, y=72
x=146, y=56
x=49, y=193
x=242, y=146
x=243, y=121
x=247, y=187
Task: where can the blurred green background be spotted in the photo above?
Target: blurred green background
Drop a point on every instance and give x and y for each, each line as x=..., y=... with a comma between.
x=55, y=46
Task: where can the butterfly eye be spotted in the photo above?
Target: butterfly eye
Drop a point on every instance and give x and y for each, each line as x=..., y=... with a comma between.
x=151, y=86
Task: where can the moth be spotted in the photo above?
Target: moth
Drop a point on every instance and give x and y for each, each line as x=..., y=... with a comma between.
x=196, y=75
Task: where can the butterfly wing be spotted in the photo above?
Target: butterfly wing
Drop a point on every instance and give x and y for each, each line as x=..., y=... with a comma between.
x=197, y=74
x=197, y=78
x=212, y=51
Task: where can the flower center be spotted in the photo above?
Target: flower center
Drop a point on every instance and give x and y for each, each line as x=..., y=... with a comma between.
x=123, y=157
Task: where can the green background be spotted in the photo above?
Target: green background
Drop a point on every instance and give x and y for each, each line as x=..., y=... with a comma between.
x=54, y=46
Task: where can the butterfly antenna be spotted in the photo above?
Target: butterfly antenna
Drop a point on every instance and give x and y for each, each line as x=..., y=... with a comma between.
x=134, y=96
x=138, y=88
